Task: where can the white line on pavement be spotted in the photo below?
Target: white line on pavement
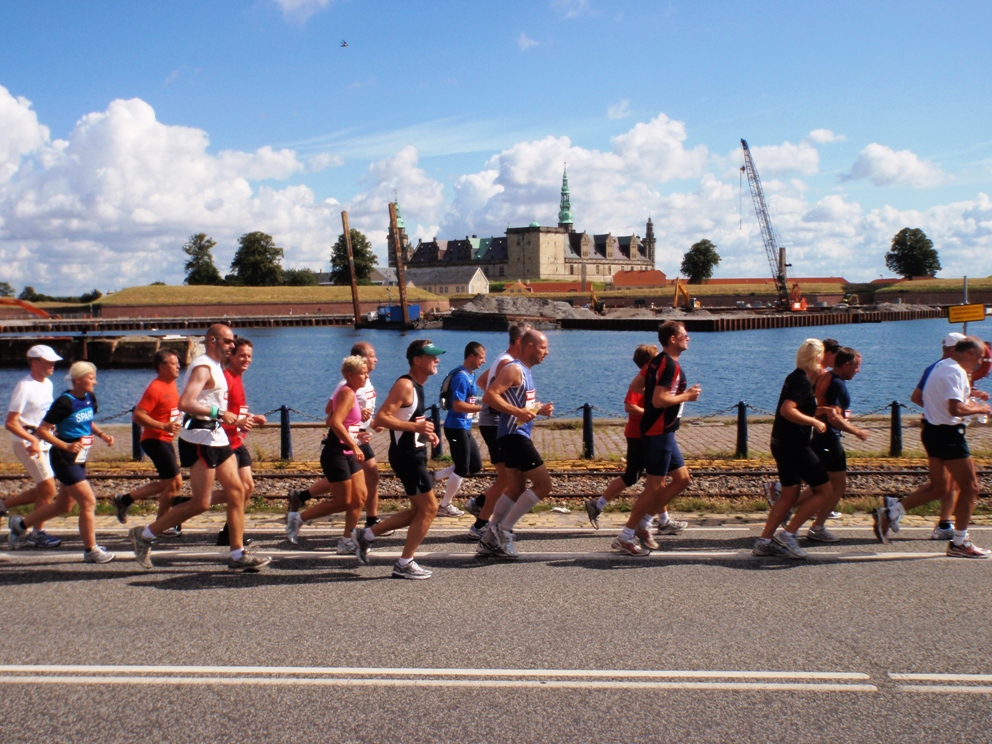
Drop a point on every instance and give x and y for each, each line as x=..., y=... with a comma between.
x=940, y=677
x=973, y=689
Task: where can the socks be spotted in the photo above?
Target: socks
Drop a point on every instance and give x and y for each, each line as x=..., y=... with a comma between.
x=403, y=562
x=627, y=534
x=601, y=503
x=237, y=554
x=480, y=523
x=177, y=500
x=369, y=521
x=502, y=508
x=480, y=501
x=126, y=500
x=960, y=536
x=786, y=532
x=303, y=496
x=645, y=523
x=440, y=475
x=368, y=534
x=896, y=510
x=525, y=502
x=454, y=483
x=764, y=540
x=147, y=535
x=663, y=519
x=944, y=524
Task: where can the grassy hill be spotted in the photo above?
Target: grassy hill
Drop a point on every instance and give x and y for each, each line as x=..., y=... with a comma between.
x=210, y=295
x=936, y=285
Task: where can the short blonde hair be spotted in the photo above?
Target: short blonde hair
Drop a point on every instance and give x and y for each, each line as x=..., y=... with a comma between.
x=810, y=355
x=353, y=365
x=80, y=369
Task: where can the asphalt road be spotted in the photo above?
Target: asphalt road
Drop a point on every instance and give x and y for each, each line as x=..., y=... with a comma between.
x=700, y=642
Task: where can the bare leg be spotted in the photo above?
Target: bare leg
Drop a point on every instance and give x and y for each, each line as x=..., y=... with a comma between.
x=838, y=484
x=821, y=494
x=779, y=509
x=653, y=484
x=963, y=472
x=371, y=470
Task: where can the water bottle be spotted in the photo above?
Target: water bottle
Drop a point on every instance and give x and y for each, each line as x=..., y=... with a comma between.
x=981, y=418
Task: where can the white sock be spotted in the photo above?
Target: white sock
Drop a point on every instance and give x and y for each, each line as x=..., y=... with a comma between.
x=35, y=531
x=404, y=562
x=786, y=532
x=663, y=519
x=601, y=503
x=764, y=540
x=501, y=509
x=645, y=523
x=627, y=534
x=440, y=475
x=368, y=534
x=147, y=534
x=896, y=510
x=237, y=554
x=960, y=536
x=454, y=483
x=524, y=504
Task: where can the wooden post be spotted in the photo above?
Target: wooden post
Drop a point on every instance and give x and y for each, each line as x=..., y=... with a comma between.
x=351, y=269
x=400, y=280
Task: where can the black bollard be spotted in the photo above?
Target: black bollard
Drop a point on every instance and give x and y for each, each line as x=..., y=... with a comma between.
x=588, y=448
x=741, y=430
x=285, y=435
x=895, y=431
x=136, y=453
x=437, y=449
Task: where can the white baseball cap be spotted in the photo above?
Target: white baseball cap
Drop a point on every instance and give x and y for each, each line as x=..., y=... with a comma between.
x=43, y=352
x=951, y=339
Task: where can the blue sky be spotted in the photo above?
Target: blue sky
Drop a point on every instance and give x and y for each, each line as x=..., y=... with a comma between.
x=126, y=127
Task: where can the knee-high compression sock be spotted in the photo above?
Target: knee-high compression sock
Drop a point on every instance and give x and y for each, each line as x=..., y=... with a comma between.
x=447, y=472
x=524, y=504
x=451, y=488
x=501, y=509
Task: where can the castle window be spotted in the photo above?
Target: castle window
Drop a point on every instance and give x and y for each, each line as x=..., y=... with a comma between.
x=502, y=270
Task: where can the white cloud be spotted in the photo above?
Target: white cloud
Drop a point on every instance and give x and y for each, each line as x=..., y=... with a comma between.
x=884, y=166
x=619, y=110
x=301, y=10
x=572, y=8
x=823, y=136
x=786, y=158
x=525, y=42
x=323, y=161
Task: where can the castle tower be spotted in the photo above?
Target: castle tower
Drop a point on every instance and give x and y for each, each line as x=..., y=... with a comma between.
x=405, y=249
x=649, y=241
x=565, y=209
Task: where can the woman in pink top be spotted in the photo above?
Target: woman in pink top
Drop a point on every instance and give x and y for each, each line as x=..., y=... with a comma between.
x=340, y=458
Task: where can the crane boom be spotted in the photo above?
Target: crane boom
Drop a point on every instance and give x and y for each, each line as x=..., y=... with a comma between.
x=776, y=253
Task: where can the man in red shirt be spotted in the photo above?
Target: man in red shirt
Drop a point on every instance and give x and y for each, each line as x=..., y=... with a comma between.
x=157, y=413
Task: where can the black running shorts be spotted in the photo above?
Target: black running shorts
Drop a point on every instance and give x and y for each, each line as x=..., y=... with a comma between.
x=635, y=462
x=337, y=466
x=411, y=469
x=798, y=465
x=939, y=440
x=520, y=452
x=67, y=471
x=190, y=454
x=367, y=451
x=492, y=444
x=163, y=457
x=465, y=454
x=831, y=452
x=243, y=456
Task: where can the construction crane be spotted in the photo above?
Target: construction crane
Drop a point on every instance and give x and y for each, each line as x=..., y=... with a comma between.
x=776, y=254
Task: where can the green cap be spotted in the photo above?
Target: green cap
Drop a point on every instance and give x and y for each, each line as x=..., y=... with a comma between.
x=430, y=350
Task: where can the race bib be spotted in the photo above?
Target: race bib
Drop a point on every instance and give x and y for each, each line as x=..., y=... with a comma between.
x=81, y=456
x=419, y=439
x=175, y=415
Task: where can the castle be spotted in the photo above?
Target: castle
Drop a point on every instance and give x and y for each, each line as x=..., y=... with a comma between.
x=535, y=251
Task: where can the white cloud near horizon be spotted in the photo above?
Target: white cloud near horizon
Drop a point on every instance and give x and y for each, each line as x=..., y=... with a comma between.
x=823, y=136
x=884, y=166
x=525, y=42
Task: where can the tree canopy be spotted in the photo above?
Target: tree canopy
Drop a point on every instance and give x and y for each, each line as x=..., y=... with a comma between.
x=6, y=289
x=257, y=261
x=200, y=268
x=300, y=278
x=700, y=260
x=361, y=250
x=912, y=254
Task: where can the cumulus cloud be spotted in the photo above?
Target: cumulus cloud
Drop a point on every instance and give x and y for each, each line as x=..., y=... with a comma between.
x=823, y=136
x=619, y=110
x=323, y=161
x=786, y=158
x=525, y=42
x=301, y=10
x=884, y=166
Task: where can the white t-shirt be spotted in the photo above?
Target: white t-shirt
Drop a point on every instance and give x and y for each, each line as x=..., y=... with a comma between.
x=30, y=401
x=214, y=393
x=947, y=381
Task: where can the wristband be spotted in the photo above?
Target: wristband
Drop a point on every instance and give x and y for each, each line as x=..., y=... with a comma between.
x=214, y=411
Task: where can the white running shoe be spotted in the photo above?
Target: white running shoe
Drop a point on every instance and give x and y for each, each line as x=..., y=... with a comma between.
x=791, y=545
x=449, y=511
x=294, y=523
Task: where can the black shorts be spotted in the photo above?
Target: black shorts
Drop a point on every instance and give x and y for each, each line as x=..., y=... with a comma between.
x=163, y=457
x=67, y=471
x=243, y=456
x=635, y=462
x=831, y=452
x=492, y=444
x=411, y=469
x=520, y=452
x=662, y=454
x=465, y=454
x=798, y=465
x=367, y=451
x=190, y=454
x=939, y=440
x=337, y=466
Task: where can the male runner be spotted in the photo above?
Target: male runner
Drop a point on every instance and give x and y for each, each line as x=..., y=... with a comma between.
x=409, y=431
x=157, y=413
x=29, y=402
x=946, y=401
x=513, y=395
x=663, y=384
x=205, y=450
x=465, y=454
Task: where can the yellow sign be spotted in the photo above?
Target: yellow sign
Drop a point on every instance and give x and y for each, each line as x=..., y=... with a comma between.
x=966, y=313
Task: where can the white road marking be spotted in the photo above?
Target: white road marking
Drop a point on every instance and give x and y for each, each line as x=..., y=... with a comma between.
x=972, y=689
x=967, y=683
x=940, y=677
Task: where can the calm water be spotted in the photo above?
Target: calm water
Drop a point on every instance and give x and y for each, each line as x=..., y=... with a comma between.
x=299, y=366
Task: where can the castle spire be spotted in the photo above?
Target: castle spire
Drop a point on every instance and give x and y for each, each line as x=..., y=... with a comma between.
x=565, y=209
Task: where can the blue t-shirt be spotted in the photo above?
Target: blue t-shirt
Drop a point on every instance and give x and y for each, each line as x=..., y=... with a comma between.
x=926, y=374
x=462, y=387
x=836, y=395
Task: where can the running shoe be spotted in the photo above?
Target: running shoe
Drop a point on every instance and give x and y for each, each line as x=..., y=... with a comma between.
x=248, y=563
x=477, y=533
x=880, y=525
x=17, y=538
x=473, y=508
x=41, y=539
x=176, y=531
x=646, y=540
x=768, y=549
x=631, y=547
x=142, y=548
x=449, y=511
x=966, y=550
x=99, y=554
x=120, y=511
x=294, y=523
x=411, y=571
x=821, y=534
x=593, y=511
x=346, y=546
x=674, y=527
x=509, y=546
x=488, y=544
x=940, y=533
x=837, y=515
x=293, y=501
x=362, y=546
x=501, y=535
x=791, y=545
x=887, y=502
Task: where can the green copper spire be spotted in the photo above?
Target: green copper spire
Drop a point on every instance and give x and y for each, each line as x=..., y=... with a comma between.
x=565, y=210
x=400, y=224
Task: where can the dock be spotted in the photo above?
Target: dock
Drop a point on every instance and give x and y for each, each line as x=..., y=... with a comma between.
x=101, y=325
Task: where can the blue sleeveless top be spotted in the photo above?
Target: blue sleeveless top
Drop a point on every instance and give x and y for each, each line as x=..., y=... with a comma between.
x=522, y=396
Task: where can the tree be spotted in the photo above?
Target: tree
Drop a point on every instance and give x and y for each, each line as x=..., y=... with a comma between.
x=256, y=262
x=698, y=263
x=300, y=278
x=912, y=254
x=361, y=250
x=6, y=289
x=200, y=267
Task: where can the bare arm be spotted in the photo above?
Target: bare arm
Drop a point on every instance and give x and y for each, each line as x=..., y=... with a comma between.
x=510, y=376
x=14, y=426
x=662, y=398
x=343, y=405
x=966, y=408
x=790, y=412
x=143, y=419
x=198, y=379
x=400, y=395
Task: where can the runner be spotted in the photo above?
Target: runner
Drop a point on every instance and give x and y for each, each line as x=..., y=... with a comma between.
x=68, y=427
x=481, y=507
x=828, y=446
x=796, y=461
x=157, y=413
x=205, y=450
x=410, y=430
x=30, y=400
x=366, y=401
x=341, y=456
x=237, y=364
x=461, y=405
x=947, y=398
x=663, y=386
x=513, y=395
x=893, y=509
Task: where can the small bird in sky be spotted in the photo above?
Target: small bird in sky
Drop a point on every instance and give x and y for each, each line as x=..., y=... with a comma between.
x=344, y=44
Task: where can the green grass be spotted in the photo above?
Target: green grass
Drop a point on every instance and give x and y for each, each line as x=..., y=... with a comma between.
x=934, y=285
x=210, y=295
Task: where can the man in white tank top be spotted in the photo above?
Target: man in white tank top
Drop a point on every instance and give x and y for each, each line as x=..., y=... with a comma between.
x=205, y=450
